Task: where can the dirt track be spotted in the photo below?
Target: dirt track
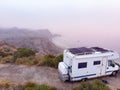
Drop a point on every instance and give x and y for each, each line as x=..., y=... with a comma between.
x=43, y=75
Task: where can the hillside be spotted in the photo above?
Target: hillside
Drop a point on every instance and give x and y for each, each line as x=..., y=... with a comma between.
x=38, y=40
x=18, y=33
x=41, y=45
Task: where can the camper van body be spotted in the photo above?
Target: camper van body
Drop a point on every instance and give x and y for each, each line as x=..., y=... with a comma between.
x=85, y=65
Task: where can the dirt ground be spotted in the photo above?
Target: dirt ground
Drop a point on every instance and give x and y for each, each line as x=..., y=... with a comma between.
x=114, y=82
x=44, y=75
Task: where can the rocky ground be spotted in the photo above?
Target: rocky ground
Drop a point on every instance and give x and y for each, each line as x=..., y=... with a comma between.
x=44, y=75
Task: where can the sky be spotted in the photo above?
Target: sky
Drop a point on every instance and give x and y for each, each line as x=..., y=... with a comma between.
x=80, y=22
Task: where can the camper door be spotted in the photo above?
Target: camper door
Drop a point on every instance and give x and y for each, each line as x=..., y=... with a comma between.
x=104, y=66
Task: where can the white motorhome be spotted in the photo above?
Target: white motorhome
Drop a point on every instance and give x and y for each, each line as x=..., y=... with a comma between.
x=84, y=63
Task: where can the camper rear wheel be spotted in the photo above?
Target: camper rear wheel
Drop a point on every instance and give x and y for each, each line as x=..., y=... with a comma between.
x=84, y=79
x=114, y=73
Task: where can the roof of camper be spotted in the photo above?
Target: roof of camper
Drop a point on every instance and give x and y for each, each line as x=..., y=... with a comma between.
x=85, y=50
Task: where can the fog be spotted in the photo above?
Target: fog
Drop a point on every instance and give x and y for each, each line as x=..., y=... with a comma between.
x=80, y=22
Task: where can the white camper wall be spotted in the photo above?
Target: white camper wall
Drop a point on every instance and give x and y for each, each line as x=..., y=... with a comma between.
x=67, y=58
x=91, y=70
x=104, y=66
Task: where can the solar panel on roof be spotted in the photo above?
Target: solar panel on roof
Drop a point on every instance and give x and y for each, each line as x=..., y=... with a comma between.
x=84, y=49
x=81, y=51
x=99, y=49
x=74, y=50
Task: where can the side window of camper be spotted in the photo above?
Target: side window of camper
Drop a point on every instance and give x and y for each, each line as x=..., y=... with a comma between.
x=82, y=65
x=97, y=62
x=111, y=63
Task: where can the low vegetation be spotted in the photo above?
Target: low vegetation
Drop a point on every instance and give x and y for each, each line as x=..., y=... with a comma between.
x=7, y=59
x=5, y=85
x=23, y=52
x=94, y=85
x=27, y=57
x=5, y=52
x=52, y=61
x=34, y=86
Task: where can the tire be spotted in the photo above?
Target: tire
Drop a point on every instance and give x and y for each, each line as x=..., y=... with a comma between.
x=114, y=73
x=84, y=79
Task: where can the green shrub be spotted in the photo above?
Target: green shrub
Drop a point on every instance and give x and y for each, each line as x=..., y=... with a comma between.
x=48, y=60
x=5, y=53
x=38, y=61
x=57, y=60
x=52, y=61
x=99, y=85
x=46, y=87
x=5, y=85
x=34, y=86
x=23, y=52
x=7, y=59
x=27, y=57
x=49, y=56
x=83, y=86
x=94, y=85
x=24, y=60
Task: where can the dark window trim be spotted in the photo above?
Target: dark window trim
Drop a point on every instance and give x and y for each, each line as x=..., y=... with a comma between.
x=97, y=62
x=82, y=65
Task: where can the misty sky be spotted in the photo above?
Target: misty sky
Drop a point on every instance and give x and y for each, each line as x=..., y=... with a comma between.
x=81, y=22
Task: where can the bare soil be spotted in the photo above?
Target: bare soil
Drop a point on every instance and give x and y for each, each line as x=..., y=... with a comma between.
x=21, y=74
